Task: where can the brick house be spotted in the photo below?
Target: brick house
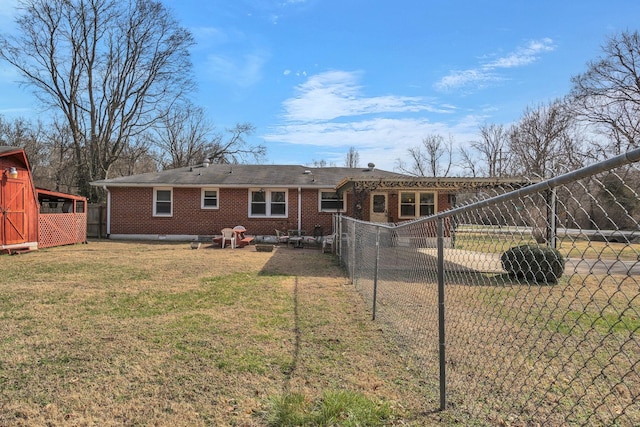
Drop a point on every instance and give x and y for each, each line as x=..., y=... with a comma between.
x=190, y=202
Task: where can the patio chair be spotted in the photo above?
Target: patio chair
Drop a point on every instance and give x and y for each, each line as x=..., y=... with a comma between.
x=282, y=237
x=228, y=234
x=327, y=243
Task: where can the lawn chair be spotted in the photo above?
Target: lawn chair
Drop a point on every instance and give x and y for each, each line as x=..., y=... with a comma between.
x=228, y=234
x=327, y=243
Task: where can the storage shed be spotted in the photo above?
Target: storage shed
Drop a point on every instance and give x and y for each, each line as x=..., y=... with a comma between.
x=18, y=202
x=33, y=218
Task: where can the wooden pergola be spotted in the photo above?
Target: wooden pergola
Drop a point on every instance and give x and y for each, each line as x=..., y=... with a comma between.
x=360, y=187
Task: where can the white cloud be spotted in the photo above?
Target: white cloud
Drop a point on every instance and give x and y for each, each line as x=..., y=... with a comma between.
x=524, y=55
x=336, y=94
x=229, y=56
x=481, y=76
x=241, y=71
x=379, y=140
x=330, y=112
x=457, y=79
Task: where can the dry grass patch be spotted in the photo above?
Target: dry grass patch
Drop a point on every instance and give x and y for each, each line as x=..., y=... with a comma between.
x=128, y=333
x=521, y=353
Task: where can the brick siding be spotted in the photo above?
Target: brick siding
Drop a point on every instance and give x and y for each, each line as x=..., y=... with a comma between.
x=132, y=212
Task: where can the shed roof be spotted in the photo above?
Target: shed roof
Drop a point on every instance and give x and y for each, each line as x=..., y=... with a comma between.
x=58, y=195
x=241, y=175
x=8, y=149
x=17, y=152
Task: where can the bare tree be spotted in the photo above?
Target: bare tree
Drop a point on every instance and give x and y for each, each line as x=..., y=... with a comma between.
x=25, y=134
x=607, y=95
x=136, y=158
x=233, y=148
x=352, y=159
x=61, y=174
x=469, y=163
x=322, y=163
x=543, y=142
x=432, y=158
x=492, y=150
x=110, y=67
x=182, y=137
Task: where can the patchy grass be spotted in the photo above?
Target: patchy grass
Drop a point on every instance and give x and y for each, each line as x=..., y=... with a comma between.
x=129, y=333
x=521, y=353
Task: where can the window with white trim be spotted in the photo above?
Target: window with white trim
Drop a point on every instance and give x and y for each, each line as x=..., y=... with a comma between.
x=267, y=203
x=414, y=204
x=162, y=202
x=209, y=198
x=331, y=201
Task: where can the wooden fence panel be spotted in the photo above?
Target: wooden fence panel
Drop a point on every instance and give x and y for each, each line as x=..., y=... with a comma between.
x=97, y=221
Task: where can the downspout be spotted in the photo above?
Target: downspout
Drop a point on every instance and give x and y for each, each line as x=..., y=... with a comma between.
x=299, y=209
x=108, y=210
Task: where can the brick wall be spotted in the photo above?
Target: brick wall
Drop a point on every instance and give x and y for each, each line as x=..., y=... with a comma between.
x=132, y=213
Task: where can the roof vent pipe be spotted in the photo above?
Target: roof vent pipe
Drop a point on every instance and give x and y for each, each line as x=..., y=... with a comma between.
x=371, y=166
x=206, y=163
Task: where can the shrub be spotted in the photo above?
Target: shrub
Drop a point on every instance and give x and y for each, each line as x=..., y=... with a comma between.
x=531, y=262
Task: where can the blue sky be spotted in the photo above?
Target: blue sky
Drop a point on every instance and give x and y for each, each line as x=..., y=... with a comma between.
x=319, y=76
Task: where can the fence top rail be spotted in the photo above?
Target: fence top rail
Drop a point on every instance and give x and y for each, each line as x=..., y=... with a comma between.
x=629, y=157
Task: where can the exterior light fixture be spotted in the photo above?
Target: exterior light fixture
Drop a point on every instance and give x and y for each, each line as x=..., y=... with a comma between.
x=12, y=172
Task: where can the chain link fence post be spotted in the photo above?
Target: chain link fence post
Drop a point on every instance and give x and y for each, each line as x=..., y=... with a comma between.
x=441, y=316
x=375, y=273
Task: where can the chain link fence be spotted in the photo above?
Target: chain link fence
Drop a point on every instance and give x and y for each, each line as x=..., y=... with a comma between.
x=505, y=347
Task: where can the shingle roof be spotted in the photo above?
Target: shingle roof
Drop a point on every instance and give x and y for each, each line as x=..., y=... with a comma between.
x=248, y=176
x=6, y=149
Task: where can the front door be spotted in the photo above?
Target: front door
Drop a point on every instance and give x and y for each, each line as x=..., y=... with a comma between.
x=13, y=222
x=379, y=208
